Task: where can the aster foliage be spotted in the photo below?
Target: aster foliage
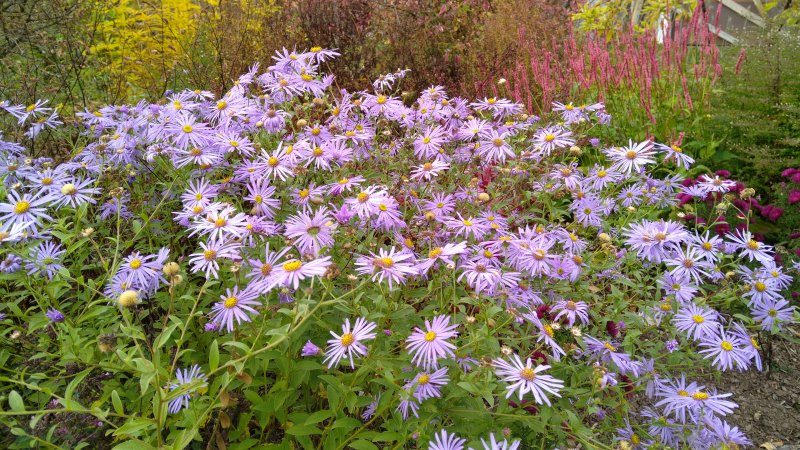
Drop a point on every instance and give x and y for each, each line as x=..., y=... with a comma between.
x=353, y=268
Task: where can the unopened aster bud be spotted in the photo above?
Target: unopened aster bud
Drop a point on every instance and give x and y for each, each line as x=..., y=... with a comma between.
x=128, y=299
x=484, y=197
x=260, y=124
x=171, y=268
x=575, y=151
x=301, y=123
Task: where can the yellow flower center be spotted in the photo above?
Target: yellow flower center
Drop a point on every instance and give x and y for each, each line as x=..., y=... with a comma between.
x=707, y=246
x=187, y=128
x=609, y=346
x=772, y=312
x=630, y=155
x=380, y=100
x=195, y=152
x=347, y=339
x=363, y=197
x=136, y=263
x=382, y=207
x=222, y=104
x=727, y=346
x=698, y=319
x=427, y=166
x=266, y=269
x=47, y=181
x=426, y=140
x=498, y=142
x=753, y=245
x=386, y=262
x=549, y=330
x=467, y=223
x=683, y=393
x=292, y=266
x=435, y=252
x=344, y=181
x=303, y=194
x=430, y=336
x=234, y=144
x=220, y=222
x=424, y=379
x=601, y=173
x=210, y=254
x=666, y=307
x=22, y=207
x=273, y=161
x=527, y=374
x=306, y=77
x=760, y=286
x=700, y=395
x=231, y=302
x=549, y=138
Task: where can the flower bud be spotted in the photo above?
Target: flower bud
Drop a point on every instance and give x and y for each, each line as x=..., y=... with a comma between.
x=301, y=123
x=484, y=197
x=604, y=238
x=128, y=298
x=575, y=150
x=171, y=269
x=87, y=232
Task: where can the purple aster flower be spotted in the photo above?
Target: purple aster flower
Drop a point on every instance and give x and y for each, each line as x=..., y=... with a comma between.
x=587, y=211
x=749, y=247
x=143, y=272
x=671, y=345
x=606, y=351
x=369, y=411
x=429, y=170
x=426, y=385
x=547, y=139
x=429, y=144
x=527, y=379
x=213, y=251
x=441, y=255
x=388, y=217
x=221, y=222
x=724, y=434
x=349, y=344
x=571, y=310
x=681, y=288
x=494, y=146
x=235, y=305
x=260, y=194
x=188, y=382
x=45, y=258
x=426, y=347
x=25, y=209
x=309, y=349
x=365, y=204
x=494, y=444
x=76, y=192
x=632, y=158
x=310, y=234
x=675, y=153
x=291, y=272
x=727, y=350
x=387, y=265
x=345, y=184
x=773, y=313
x=444, y=441
x=688, y=263
x=695, y=321
x=55, y=315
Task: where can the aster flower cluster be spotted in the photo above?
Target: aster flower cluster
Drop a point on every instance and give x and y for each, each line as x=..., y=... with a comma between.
x=468, y=250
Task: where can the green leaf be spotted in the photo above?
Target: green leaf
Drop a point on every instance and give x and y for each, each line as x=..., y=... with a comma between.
x=319, y=416
x=15, y=401
x=133, y=444
x=213, y=356
x=303, y=430
x=117, y=402
x=362, y=444
x=133, y=427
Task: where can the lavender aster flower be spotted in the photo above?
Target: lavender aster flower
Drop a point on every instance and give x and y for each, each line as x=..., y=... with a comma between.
x=528, y=379
x=444, y=441
x=426, y=347
x=309, y=349
x=188, y=382
x=235, y=305
x=349, y=344
x=55, y=315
